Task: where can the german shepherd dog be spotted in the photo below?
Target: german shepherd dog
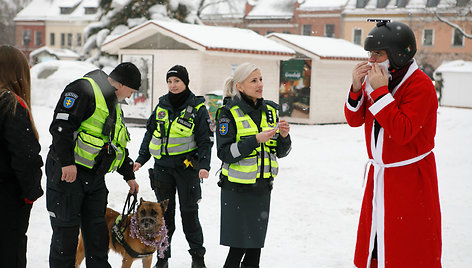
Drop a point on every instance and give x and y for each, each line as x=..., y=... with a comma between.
x=148, y=221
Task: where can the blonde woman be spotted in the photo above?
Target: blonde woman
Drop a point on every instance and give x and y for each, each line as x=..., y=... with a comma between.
x=250, y=138
x=20, y=162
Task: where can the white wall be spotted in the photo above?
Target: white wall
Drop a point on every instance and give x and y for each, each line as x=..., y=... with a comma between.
x=330, y=83
x=218, y=67
x=208, y=71
x=457, y=89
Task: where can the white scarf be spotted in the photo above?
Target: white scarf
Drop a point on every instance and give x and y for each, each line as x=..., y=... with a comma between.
x=384, y=65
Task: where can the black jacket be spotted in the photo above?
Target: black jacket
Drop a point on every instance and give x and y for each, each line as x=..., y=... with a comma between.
x=203, y=134
x=20, y=162
x=247, y=145
x=68, y=120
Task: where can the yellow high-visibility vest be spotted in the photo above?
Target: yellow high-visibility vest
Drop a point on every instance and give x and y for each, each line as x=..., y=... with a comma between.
x=90, y=139
x=174, y=138
x=250, y=168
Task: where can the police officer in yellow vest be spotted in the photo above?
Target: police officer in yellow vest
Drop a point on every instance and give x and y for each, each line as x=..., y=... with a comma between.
x=250, y=139
x=89, y=139
x=179, y=138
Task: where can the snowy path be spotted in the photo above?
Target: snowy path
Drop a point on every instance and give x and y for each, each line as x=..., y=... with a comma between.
x=315, y=202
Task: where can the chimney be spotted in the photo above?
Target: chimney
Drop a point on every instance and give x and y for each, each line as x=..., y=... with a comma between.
x=249, y=6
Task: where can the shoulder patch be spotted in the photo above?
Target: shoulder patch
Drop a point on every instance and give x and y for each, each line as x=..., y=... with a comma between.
x=69, y=102
x=224, y=120
x=72, y=95
x=223, y=128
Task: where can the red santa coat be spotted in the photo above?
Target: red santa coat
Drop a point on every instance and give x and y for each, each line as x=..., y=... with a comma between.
x=401, y=201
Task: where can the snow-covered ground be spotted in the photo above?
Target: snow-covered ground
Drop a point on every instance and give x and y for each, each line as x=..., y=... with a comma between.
x=315, y=201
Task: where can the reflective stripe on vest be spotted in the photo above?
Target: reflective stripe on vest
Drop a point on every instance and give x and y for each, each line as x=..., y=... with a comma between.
x=90, y=139
x=177, y=140
x=248, y=169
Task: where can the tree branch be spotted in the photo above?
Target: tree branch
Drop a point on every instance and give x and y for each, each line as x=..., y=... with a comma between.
x=455, y=26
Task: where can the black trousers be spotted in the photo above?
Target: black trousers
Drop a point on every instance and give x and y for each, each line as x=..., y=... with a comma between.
x=251, y=257
x=166, y=183
x=14, y=224
x=81, y=204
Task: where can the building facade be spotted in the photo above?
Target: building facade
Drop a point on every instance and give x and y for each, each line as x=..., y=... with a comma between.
x=54, y=23
x=347, y=19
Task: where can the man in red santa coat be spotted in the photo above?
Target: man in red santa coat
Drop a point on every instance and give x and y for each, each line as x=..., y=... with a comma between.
x=400, y=220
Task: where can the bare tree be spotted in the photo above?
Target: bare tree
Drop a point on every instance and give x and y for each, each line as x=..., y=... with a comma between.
x=463, y=9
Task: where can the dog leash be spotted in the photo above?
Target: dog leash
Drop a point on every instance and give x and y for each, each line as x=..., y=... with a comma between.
x=130, y=205
x=120, y=224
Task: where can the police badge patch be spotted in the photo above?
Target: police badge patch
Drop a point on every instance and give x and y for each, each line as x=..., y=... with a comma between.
x=223, y=128
x=68, y=102
x=161, y=114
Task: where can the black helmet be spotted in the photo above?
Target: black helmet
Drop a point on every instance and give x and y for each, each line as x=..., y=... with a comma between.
x=394, y=37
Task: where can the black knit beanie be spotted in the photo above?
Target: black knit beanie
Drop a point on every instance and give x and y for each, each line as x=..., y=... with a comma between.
x=128, y=74
x=180, y=72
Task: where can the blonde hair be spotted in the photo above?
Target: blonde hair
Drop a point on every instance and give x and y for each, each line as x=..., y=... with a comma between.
x=240, y=74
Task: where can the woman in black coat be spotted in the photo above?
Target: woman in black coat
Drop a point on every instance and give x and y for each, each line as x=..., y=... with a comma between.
x=20, y=162
x=250, y=138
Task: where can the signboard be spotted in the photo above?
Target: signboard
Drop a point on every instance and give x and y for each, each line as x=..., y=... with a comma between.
x=140, y=103
x=294, y=89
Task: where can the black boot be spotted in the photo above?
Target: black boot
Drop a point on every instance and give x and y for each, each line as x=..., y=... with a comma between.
x=162, y=263
x=198, y=261
x=246, y=266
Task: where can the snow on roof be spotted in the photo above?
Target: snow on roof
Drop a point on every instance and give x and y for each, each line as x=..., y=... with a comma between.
x=322, y=4
x=323, y=47
x=411, y=5
x=51, y=10
x=62, y=52
x=455, y=66
x=228, y=9
x=91, y=3
x=279, y=9
x=210, y=38
x=69, y=3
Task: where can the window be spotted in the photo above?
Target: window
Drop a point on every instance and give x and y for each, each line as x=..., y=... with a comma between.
x=306, y=29
x=401, y=3
x=329, y=30
x=361, y=3
x=458, y=39
x=69, y=40
x=26, y=37
x=462, y=3
x=382, y=3
x=286, y=32
x=427, y=37
x=79, y=39
x=269, y=32
x=432, y=3
x=357, y=37
x=66, y=10
x=38, y=40
x=63, y=39
x=90, y=10
x=52, y=39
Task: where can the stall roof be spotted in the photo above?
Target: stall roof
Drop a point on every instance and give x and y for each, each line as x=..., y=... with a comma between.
x=201, y=37
x=61, y=53
x=322, y=47
x=457, y=66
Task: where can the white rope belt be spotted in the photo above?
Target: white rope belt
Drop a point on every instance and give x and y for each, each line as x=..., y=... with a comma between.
x=379, y=211
x=396, y=164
